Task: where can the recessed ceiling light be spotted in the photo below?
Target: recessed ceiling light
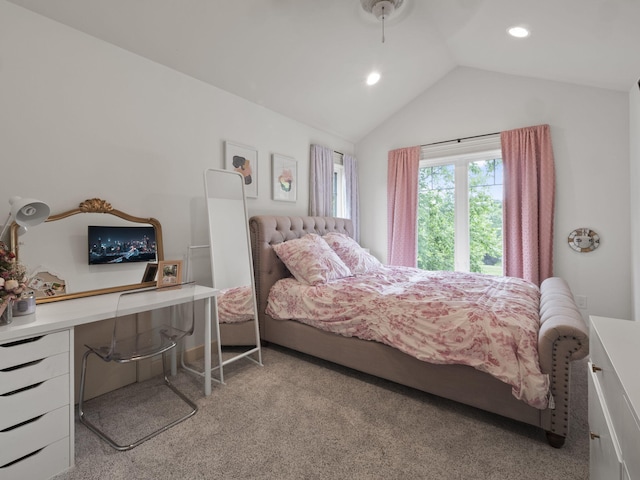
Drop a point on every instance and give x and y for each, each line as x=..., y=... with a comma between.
x=373, y=78
x=518, y=32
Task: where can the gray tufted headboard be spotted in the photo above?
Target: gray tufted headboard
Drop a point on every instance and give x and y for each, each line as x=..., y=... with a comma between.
x=267, y=230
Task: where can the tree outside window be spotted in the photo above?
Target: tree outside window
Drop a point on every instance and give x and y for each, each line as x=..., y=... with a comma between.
x=460, y=216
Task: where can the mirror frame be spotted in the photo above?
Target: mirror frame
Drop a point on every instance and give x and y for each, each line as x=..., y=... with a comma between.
x=95, y=205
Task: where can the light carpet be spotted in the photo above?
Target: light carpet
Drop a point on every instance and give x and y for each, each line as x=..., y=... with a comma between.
x=298, y=417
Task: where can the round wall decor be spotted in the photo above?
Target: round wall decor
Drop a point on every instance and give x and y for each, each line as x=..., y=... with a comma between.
x=583, y=240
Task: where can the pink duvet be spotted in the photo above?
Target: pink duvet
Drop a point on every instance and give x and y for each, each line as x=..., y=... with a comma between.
x=489, y=323
x=235, y=304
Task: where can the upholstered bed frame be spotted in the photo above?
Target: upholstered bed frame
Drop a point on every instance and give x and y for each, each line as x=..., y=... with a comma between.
x=563, y=337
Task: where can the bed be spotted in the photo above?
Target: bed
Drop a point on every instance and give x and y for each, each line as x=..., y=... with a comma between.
x=562, y=337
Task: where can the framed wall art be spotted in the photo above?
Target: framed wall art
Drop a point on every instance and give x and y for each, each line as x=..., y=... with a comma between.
x=244, y=160
x=169, y=273
x=284, y=178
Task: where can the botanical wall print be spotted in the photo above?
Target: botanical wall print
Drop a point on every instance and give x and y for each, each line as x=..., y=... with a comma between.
x=244, y=160
x=284, y=178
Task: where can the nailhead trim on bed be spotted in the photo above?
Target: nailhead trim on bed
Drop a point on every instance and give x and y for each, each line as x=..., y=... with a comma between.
x=554, y=413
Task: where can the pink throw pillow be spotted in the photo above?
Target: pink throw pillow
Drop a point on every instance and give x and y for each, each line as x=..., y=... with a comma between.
x=310, y=260
x=353, y=255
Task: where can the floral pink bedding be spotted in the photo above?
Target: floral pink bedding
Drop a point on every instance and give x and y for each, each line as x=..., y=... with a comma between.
x=489, y=323
x=235, y=304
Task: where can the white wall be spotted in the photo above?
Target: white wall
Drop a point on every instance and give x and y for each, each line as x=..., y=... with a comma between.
x=590, y=134
x=634, y=129
x=80, y=118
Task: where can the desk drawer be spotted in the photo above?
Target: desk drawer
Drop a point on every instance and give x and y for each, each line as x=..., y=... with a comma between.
x=29, y=350
x=41, y=465
x=14, y=378
x=21, y=405
x=32, y=436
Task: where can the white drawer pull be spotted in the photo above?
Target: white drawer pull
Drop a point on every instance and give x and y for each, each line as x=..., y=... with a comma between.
x=21, y=342
x=22, y=365
x=21, y=459
x=23, y=389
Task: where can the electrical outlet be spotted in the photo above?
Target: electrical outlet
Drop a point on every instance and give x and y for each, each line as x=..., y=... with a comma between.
x=581, y=301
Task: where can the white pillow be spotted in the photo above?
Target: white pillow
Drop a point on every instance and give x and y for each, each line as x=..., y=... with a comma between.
x=353, y=255
x=310, y=260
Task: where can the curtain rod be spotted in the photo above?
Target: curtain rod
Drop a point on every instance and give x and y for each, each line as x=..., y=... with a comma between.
x=460, y=139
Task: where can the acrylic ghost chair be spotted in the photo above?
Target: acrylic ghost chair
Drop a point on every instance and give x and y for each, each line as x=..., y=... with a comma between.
x=128, y=347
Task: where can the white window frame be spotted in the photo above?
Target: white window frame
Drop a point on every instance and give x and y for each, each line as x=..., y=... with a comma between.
x=461, y=154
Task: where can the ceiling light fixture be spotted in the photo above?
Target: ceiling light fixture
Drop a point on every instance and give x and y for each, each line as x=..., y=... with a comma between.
x=518, y=32
x=373, y=78
x=381, y=9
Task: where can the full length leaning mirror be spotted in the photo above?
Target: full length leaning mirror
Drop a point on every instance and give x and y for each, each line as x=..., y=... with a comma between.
x=231, y=265
x=90, y=250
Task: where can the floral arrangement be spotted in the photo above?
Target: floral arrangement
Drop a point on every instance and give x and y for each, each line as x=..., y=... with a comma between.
x=12, y=277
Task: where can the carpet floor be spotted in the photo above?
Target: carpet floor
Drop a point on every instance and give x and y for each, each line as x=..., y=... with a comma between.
x=298, y=417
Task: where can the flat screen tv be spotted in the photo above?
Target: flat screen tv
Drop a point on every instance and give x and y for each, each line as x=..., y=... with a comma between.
x=121, y=244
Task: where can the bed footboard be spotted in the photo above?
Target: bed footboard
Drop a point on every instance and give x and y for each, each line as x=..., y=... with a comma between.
x=563, y=338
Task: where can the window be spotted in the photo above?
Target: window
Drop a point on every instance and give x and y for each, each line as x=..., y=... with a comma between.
x=339, y=203
x=460, y=207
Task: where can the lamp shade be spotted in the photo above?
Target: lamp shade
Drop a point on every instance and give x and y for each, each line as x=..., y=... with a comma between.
x=28, y=212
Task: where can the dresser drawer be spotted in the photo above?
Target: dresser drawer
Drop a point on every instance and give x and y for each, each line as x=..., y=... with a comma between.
x=14, y=378
x=30, y=437
x=604, y=452
x=630, y=441
x=602, y=366
x=22, y=405
x=608, y=381
x=41, y=465
x=29, y=350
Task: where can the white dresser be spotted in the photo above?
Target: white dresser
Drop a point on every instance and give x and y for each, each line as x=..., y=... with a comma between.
x=36, y=414
x=614, y=399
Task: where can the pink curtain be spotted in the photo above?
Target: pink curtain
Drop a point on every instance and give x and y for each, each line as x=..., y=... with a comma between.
x=529, y=190
x=402, y=206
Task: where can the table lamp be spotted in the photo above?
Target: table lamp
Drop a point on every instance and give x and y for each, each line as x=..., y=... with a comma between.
x=26, y=212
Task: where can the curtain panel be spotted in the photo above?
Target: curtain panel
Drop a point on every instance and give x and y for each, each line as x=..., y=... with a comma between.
x=320, y=185
x=353, y=195
x=402, y=206
x=529, y=195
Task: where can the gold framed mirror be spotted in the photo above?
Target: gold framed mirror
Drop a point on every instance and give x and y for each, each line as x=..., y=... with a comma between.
x=63, y=262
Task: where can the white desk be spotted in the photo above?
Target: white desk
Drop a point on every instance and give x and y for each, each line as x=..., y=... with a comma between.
x=48, y=375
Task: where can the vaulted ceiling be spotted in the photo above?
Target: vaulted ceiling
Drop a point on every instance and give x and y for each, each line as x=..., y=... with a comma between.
x=308, y=59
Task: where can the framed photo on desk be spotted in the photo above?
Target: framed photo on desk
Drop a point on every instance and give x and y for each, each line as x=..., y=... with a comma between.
x=150, y=273
x=169, y=273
